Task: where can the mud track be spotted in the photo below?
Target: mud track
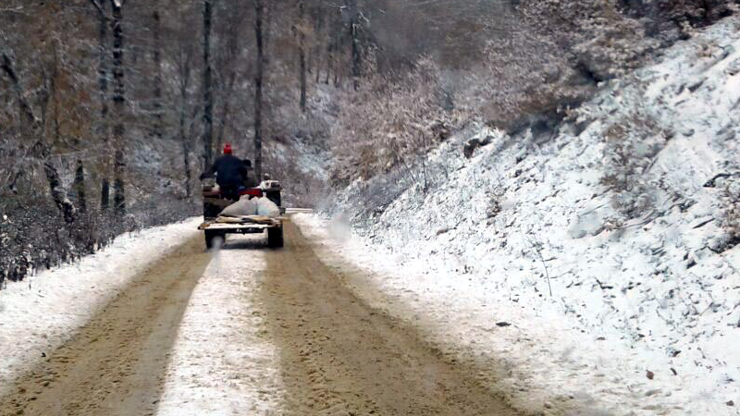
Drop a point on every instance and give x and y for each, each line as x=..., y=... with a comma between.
x=341, y=357
x=115, y=364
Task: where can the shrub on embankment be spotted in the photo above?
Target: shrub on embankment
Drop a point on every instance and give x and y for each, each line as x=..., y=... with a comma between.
x=38, y=237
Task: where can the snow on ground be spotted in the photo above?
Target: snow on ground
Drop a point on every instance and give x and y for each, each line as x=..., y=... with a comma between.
x=40, y=313
x=307, y=159
x=644, y=316
x=223, y=362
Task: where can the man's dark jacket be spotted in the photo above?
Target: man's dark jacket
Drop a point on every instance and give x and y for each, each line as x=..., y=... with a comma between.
x=230, y=171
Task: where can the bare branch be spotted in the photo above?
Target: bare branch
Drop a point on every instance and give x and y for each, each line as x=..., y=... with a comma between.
x=98, y=6
x=18, y=10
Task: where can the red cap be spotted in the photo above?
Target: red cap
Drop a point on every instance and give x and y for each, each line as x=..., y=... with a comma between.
x=227, y=149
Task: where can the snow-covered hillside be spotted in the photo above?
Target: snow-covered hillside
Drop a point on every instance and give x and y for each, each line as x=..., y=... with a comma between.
x=608, y=240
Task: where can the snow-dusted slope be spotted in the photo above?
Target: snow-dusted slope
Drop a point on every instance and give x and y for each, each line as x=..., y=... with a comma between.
x=644, y=315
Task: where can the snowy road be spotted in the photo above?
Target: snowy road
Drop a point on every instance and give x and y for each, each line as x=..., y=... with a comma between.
x=339, y=356
x=115, y=364
x=246, y=330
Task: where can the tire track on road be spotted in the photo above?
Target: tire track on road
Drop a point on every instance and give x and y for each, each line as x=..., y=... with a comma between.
x=340, y=356
x=115, y=364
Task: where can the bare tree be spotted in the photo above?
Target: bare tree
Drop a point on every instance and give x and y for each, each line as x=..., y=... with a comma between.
x=103, y=129
x=157, y=79
x=33, y=128
x=301, y=28
x=183, y=63
x=259, y=9
x=79, y=186
x=354, y=34
x=119, y=109
x=207, y=86
x=226, y=69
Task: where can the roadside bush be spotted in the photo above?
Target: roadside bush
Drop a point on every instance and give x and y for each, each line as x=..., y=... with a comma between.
x=34, y=235
x=681, y=15
x=598, y=39
x=541, y=59
x=388, y=123
x=632, y=143
x=531, y=64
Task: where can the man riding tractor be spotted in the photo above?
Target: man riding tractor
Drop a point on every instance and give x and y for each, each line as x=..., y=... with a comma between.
x=232, y=174
x=232, y=177
x=251, y=217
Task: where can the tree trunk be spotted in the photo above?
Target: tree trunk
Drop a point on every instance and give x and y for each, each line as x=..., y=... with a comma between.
x=79, y=186
x=302, y=53
x=52, y=94
x=29, y=120
x=103, y=128
x=317, y=64
x=222, y=122
x=316, y=50
x=32, y=130
x=353, y=16
x=329, y=61
x=207, y=86
x=188, y=172
x=157, y=58
x=119, y=109
x=184, y=68
x=356, y=57
x=258, y=79
x=221, y=126
x=57, y=192
x=225, y=108
x=185, y=148
x=105, y=194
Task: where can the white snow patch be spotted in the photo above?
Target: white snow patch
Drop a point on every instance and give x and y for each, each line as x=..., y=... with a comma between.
x=223, y=362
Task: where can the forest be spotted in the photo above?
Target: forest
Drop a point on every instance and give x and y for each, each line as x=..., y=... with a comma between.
x=110, y=109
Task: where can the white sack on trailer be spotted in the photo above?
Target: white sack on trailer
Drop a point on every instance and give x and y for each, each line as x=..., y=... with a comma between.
x=267, y=208
x=255, y=206
x=243, y=206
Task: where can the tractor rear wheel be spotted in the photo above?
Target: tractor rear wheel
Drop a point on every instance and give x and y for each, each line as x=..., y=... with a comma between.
x=275, y=237
x=212, y=239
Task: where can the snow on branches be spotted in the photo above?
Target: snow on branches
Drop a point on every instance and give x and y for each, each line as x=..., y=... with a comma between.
x=387, y=123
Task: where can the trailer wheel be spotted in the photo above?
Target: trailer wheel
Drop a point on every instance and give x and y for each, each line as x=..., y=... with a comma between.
x=212, y=237
x=275, y=237
x=275, y=197
x=210, y=211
